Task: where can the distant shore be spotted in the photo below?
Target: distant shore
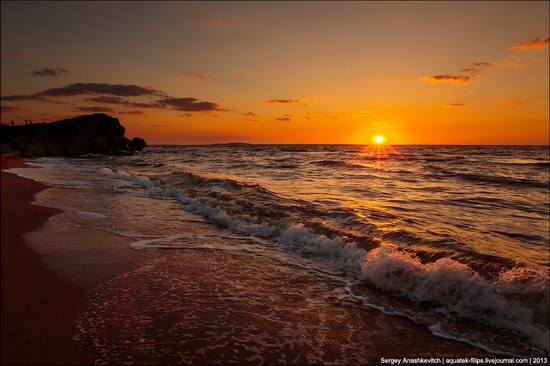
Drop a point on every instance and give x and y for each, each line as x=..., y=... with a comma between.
x=38, y=306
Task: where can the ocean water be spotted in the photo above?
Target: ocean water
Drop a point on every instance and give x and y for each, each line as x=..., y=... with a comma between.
x=454, y=238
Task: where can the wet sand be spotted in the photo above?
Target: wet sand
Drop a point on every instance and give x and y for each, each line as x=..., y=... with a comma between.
x=38, y=306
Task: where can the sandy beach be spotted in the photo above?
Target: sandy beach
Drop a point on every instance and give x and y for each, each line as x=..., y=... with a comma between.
x=46, y=279
x=38, y=305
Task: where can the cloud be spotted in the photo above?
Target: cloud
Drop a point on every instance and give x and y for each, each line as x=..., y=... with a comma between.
x=17, y=98
x=18, y=53
x=159, y=125
x=95, y=109
x=180, y=104
x=509, y=66
x=132, y=112
x=49, y=72
x=470, y=71
x=38, y=97
x=457, y=105
x=285, y=118
x=482, y=64
x=114, y=93
x=224, y=23
x=8, y=109
x=108, y=100
x=448, y=78
x=282, y=101
x=195, y=76
x=109, y=89
x=535, y=43
x=513, y=103
x=188, y=105
x=186, y=115
x=251, y=114
x=476, y=67
x=89, y=88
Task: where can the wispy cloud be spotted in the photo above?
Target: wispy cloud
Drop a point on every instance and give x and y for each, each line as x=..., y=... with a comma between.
x=509, y=66
x=87, y=88
x=250, y=114
x=114, y=93
x=18, y=98
x=465, y=75
x=513, y=103
x=535, y=43
x=132, y=112
x=107, y=99
x=49, y=72
x=285, y=118
x=37, y=97
x=224, y=23
x=8, y=108
x=475, y=67
x=186, y=115
x=101, y=88
x=17, y=53
x=282, y=101
x=95, y=109
x=448, y=78
x=188, y=104
x=457, y=105
x=194, y=76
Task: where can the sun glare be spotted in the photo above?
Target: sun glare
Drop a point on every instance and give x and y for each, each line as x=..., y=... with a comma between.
x=379, y=139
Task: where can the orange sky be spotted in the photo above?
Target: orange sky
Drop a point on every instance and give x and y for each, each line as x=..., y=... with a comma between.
x=284, y=72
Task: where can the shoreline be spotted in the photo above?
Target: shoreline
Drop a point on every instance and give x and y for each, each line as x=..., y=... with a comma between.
x=38, y=305
x=57, y=287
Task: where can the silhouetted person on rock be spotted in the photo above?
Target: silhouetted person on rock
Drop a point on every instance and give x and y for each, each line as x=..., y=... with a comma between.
x=12, y=122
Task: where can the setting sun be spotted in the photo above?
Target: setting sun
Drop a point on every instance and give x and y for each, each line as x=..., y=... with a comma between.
x=379, y=139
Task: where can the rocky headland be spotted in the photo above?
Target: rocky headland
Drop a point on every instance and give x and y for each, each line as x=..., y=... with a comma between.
x=94, y=133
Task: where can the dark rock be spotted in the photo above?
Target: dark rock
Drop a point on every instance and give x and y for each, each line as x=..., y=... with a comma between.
x=5, y=149
x=137, y=144
x=95, y=133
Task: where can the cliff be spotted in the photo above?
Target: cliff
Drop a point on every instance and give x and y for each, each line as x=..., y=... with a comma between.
x=94, y=133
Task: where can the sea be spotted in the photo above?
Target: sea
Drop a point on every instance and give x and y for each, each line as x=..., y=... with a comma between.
x=454, y=239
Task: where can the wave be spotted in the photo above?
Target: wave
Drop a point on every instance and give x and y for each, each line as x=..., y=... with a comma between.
x=498, y=180
x=338, y=163
x=516, y=300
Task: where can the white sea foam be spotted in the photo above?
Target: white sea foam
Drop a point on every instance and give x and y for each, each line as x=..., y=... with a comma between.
x=120, y=174
x=456, y=287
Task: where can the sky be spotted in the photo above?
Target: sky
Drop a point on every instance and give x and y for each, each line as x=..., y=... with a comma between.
x=283, y=72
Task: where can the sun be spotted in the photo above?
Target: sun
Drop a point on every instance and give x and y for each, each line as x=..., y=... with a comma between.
x=379, y=139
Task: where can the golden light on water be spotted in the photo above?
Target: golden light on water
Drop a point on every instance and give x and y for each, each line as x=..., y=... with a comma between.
x=378, y=151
